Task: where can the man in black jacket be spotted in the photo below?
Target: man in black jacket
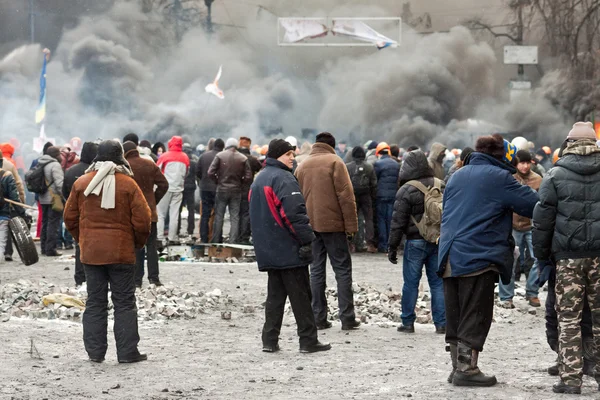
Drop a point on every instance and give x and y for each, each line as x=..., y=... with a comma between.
x=189, y=191
x=88, y=153
x=566, y=230
x=408, y=208
x=208, y=187
x=283, y=247
x=364, y=182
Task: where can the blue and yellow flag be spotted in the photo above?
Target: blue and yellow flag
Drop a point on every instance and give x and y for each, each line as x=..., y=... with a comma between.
x=40, y=113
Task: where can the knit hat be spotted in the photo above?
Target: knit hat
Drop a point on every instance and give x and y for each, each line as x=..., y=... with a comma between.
x=278, y=147
x=582, y=130
x=128, y=146
x=146, y=144
x=327, y=138
x=231, y=142
x=523, y=156
x=131, y=137
x=372, y=145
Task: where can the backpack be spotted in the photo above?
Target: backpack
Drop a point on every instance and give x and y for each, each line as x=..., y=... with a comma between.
x=36, y=180
x=429, y=226
x=360, y=179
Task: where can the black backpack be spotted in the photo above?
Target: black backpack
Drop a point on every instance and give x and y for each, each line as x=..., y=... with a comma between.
x=360, y=179
x=36, y=180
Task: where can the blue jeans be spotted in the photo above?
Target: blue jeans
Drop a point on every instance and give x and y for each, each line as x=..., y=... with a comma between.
x=416, y=254
x=507, y=292
x=385, y=208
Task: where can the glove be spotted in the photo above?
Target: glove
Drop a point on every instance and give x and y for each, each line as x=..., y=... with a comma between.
x=393, y=256
x=545, y=268
x=350, y=236
x=305, y=253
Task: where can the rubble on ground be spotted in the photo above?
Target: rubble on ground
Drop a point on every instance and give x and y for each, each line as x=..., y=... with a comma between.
x=24, y=299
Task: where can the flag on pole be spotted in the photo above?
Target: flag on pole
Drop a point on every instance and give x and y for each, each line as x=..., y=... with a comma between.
x=40, y=113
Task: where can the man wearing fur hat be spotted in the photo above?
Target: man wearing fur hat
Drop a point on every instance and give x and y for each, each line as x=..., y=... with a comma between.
x=565, y=231
x=230, y=169
x=108, y=216
x=476, y=247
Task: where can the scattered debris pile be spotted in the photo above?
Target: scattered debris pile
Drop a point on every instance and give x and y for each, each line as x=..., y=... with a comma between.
x=43, y=300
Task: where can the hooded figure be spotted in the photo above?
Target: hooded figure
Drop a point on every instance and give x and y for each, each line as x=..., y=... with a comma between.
x=88, y=153
x=174, y=164
x=475, y=247
x=6, y=165
x=106, y=203
x=408, y=208
x=158, y=149
x=436, y=160
x=387, y=171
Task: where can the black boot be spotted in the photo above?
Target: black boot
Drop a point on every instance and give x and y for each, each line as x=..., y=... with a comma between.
x=553, y=370
x=454, y=357
x=562, y=387
x=467, y=372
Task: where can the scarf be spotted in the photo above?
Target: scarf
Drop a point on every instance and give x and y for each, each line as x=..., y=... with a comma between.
x=104, y=181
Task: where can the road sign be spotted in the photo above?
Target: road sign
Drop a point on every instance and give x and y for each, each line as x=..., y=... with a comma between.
x=520, y=55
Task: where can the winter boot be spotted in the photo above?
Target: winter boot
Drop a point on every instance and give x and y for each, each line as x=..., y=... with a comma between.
x=453, y=356
x=562, y=387
x=467, y=372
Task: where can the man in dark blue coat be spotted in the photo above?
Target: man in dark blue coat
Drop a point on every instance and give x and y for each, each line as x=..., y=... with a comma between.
x=475, y=247
x=282, y=243
x=387, y=171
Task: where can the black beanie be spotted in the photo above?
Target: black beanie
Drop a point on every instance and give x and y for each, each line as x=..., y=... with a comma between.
x=278, y=147
x=327, y=138
x=523, y=156
x=132, y=137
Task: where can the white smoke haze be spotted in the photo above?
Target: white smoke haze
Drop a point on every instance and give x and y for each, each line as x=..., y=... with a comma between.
x=109, y=77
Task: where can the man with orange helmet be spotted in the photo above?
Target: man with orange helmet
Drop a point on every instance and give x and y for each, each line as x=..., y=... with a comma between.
x=387, y=171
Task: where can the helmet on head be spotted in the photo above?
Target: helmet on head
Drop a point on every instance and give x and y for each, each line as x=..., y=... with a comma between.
x=520, y=143
x=382, y=146
x=547, y=150
x=555, y=156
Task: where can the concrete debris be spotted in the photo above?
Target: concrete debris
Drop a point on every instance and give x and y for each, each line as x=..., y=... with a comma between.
x=23, y=299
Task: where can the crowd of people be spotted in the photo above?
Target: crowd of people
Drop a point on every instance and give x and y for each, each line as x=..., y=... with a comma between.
x=472, y=218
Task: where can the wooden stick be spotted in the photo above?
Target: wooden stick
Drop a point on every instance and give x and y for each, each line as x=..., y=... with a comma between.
x=16, y=203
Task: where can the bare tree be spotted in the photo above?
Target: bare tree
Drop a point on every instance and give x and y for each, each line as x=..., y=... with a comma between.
x=569, y=32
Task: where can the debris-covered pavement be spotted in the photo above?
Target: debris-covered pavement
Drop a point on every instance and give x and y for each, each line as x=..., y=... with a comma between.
x=202, y=333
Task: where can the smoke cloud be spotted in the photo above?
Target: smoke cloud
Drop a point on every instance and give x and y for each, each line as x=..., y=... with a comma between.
x=109, y=76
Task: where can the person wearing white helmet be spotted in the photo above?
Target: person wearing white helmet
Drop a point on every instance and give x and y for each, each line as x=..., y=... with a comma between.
x=294, y=142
